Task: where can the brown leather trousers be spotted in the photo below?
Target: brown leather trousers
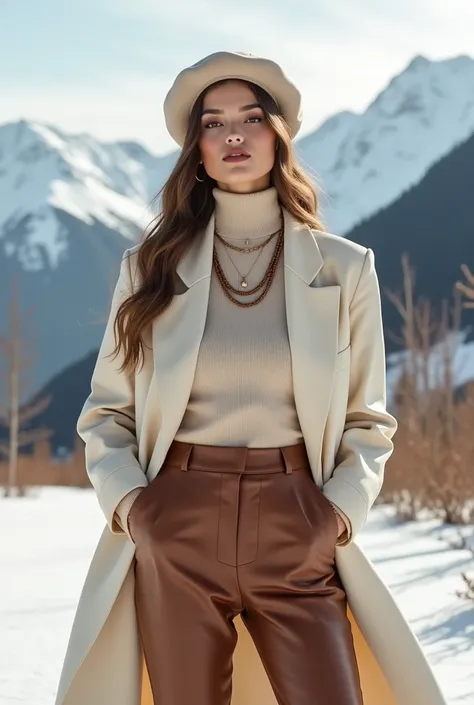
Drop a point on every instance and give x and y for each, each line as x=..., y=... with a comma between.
x=228, y=530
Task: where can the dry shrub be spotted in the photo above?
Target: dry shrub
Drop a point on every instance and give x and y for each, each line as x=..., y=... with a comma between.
x=431, y=467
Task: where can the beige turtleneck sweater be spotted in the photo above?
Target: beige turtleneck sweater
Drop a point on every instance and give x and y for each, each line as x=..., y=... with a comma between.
x=242, y=394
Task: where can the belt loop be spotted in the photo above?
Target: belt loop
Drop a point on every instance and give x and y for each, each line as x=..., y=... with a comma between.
x=184, y=464
x=288, y=467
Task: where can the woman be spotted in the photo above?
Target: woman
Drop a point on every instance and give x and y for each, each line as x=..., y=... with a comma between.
x=239, y=442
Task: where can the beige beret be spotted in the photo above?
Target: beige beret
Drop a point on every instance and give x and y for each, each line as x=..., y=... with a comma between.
x=191, y=81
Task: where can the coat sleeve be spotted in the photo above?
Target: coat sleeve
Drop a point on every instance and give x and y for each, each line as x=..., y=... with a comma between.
x=106, y=422
x=366, y=442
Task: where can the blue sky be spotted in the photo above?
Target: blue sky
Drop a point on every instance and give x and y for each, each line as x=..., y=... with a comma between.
x=104, y=66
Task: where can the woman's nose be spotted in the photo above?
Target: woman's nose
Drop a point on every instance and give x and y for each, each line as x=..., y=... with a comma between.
x=234, y=138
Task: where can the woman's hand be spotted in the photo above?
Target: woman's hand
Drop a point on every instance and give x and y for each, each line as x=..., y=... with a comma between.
x=341, y=523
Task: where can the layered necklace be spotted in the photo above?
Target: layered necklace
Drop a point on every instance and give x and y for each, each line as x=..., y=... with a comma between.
x=269, y=272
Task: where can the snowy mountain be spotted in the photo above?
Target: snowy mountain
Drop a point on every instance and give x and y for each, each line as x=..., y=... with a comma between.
x=43, y=170
x=70, y=204
x=364, y=162
x=433, y=224
x=69, y=207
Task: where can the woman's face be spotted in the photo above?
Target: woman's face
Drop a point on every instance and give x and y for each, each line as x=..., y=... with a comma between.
x=232, y=120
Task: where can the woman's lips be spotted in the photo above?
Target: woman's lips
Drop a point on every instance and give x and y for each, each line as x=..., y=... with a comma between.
x=234, y=158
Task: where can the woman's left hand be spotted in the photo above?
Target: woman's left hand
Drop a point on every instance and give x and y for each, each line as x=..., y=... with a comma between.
x=341, y=524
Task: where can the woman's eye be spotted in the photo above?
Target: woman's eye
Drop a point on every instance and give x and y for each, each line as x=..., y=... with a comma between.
x=257, y=118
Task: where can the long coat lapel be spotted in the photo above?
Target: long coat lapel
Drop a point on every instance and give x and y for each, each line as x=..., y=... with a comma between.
x=312, y=314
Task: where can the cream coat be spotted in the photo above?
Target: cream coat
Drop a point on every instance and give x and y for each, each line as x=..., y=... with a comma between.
x=128, y=423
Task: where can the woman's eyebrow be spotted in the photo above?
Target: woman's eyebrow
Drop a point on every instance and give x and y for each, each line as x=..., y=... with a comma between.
x=243, y=108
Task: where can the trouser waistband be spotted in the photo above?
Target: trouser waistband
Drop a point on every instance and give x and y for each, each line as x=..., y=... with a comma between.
x=237, y=459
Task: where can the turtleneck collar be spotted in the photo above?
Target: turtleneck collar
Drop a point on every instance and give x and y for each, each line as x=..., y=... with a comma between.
x=246, y=215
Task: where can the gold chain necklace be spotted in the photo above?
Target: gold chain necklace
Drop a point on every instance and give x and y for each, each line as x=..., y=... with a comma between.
x=267, y=277
x=260, y=247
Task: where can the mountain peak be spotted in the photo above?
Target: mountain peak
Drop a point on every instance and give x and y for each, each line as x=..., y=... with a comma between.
x=424, y=87
x=45, y=170
x=418, y=62
x=364, y=161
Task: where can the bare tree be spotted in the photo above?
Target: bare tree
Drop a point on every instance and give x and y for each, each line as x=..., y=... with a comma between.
x=430, y=467
x=14, y=415
x=467, y=289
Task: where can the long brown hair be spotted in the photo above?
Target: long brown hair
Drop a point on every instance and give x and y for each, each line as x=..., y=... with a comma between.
x=187, y=205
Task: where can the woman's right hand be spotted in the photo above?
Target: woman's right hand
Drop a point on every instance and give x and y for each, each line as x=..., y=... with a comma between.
x=124, y=508
x=128, y=522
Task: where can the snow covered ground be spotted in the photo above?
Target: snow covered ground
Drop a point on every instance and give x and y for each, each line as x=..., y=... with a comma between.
x=48, y=539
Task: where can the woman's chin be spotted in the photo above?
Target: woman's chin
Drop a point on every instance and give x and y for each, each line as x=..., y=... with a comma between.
x=242, y=177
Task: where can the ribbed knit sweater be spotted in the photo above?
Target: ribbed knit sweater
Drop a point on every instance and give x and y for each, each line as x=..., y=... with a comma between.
x=242, y=393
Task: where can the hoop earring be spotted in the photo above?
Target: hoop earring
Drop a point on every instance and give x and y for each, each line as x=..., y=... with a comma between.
x=196, y=176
